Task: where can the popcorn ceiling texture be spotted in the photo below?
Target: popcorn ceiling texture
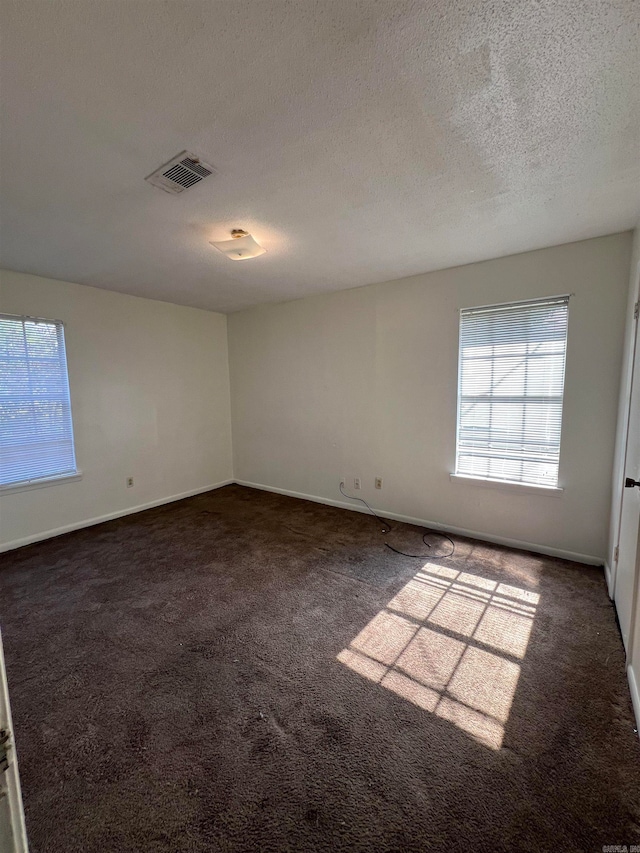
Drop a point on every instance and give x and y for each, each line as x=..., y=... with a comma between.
x=357, y=141
x=179, y=684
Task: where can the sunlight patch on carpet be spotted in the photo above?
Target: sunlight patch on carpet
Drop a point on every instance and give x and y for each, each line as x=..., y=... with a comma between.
x=450, y=642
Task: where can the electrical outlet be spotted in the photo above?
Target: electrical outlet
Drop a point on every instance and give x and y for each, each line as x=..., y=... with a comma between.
x=356, y=482
x=129, y=482
x=378, y=482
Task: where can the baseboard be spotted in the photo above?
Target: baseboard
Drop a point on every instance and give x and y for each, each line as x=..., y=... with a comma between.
x=436, y=525
x=421, y=522
x=635, y=694
x=89, y=522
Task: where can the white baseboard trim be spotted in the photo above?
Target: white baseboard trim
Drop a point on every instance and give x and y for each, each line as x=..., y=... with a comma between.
x=635, y=694
x=436, y=525
x=420, y=522
x=89, y=522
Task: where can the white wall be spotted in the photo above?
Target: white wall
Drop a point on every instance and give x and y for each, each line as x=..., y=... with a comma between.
x=363, y=382
x=623, y=408
x=150, y=399
x=355, y=383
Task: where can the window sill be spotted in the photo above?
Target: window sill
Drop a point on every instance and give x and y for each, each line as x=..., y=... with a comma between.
x=39, y=484
x=508, y=486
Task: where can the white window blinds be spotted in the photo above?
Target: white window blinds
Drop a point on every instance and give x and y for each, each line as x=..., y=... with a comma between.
x=511, y=382
x=36, y=433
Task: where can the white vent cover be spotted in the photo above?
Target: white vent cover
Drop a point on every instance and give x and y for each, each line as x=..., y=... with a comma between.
x=180, y=173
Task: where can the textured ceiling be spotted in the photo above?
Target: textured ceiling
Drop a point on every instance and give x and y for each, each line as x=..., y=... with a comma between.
x=357, y=141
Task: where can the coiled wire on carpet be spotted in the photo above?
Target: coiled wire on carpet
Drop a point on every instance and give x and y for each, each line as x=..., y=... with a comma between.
x=385, y=524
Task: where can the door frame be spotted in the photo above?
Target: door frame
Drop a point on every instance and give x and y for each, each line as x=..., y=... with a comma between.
x=15, y=835
x=631, y=664
x=618, y=494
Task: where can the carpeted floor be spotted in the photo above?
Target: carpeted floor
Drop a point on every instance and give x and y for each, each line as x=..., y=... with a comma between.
x=242, y=671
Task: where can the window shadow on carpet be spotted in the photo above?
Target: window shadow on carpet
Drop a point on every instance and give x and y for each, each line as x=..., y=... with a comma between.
x=451, y=642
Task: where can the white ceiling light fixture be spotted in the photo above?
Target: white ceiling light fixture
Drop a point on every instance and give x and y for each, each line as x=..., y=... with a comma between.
x=241, y=246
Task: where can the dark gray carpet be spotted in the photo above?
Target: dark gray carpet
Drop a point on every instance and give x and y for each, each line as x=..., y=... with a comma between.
x=241, y=671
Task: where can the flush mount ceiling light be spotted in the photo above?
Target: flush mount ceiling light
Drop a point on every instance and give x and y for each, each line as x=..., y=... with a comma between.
x=240, y=247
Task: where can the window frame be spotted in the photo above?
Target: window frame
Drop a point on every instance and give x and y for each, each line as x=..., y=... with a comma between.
x=521, y=486
x=64, y=476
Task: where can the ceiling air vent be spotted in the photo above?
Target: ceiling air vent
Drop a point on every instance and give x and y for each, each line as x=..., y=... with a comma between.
x=180, y=173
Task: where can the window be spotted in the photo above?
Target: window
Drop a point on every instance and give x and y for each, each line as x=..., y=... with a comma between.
x=511, y=382
x=36, y=433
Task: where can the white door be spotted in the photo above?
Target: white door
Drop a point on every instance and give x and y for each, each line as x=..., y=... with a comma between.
x=633, y=654
x=625, y=578
x=13, y=838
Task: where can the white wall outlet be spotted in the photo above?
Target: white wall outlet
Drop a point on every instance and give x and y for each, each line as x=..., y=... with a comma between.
x=356, y=482
x=378, y=482
x=129, y=482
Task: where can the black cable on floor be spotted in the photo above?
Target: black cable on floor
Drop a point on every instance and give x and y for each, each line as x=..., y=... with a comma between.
x=386, y=528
